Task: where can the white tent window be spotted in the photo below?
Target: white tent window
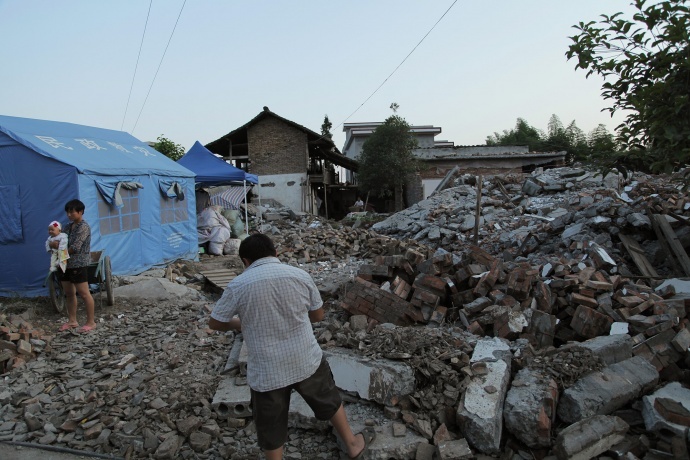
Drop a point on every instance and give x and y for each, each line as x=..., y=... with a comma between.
x=115, y=220
x=173, y=208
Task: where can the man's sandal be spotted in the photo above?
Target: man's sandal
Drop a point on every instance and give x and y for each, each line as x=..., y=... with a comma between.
x=369, y=435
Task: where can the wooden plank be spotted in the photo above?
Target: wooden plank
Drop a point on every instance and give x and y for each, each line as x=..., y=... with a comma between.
x=664, y=244
x=219, y=278
x=676, y=248
x=638, y=256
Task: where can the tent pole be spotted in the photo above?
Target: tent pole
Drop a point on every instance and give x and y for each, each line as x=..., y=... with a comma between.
x=325, y=198
x=246, y=213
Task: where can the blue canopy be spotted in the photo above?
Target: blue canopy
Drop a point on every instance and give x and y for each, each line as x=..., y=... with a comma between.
x=212, y=171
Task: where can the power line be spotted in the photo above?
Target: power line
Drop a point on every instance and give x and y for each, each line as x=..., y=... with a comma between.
x=136, y=66
x=159, y=65
x=396, y=69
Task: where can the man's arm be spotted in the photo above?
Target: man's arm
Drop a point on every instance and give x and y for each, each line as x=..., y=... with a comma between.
x=316, y=315
x=234, y=324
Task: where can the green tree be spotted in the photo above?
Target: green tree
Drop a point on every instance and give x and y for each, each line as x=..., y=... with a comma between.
x=601, y=142
x=522, y=134
x=645, y=62
x=387, y=162
x=578, y=141
x=557, y=138
x=169, y=148
x=326, y=127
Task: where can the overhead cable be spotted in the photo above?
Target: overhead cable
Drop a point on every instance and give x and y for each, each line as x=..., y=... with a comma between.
x=159, y=65
x=136, y=66
x=395, y=70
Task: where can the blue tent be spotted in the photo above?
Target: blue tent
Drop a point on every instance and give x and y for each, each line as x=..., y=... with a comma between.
x=139, y=203
x=212, y=171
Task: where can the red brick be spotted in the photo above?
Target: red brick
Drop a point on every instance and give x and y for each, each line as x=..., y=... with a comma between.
x=583, y=300
x=590, y=323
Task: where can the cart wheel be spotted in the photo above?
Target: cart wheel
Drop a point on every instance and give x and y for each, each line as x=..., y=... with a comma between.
x=108, y=277
x=57, y=295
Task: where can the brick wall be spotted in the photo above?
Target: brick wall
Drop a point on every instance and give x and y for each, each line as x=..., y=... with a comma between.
x=365, y=298
x=276, y=148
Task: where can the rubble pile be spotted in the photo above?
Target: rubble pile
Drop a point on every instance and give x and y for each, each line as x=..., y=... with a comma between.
x=552, y=336
x=19, y=342
x=528, y=219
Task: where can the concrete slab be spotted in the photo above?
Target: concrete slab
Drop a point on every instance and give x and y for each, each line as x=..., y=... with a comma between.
x=156, y=289
x=589, y=437
x=656, y=422
x=681, y=286
x=384, y=381
x=602, y=392
x=610, y=348
x=480, y=411
x=232, y=400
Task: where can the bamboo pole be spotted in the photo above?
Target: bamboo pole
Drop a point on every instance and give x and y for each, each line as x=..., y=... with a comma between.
x=325, y=198
x=478, y=210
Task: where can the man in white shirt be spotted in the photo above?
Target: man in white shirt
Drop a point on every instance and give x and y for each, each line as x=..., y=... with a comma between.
x=274, y=304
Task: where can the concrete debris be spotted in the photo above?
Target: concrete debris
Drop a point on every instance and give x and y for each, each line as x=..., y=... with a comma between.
x=601, y=393
x=559, y=329
x=590, y=437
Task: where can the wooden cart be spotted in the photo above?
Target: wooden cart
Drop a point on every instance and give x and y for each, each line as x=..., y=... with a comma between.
x=99, y=273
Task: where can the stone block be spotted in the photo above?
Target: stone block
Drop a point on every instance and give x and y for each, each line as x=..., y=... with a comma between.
x=477, y=305
x=454, y=450
x=602, y=392
x=530, y=408
x=590, y=437
x=610, y=348
x=543, y=327
x=358, y=322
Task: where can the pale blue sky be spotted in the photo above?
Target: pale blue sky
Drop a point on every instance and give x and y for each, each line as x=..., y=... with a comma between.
x=483, y=66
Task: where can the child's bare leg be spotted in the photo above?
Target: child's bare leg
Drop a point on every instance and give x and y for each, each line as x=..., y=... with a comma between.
x=71, y=302
x=85, y=294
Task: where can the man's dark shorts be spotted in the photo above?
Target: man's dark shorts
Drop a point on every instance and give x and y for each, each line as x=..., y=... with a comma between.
x=270, y=408
x=74, y=275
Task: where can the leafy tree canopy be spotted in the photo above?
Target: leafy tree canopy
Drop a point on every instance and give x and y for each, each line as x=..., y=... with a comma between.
x=522, y=134
x=326, y=127
x=387, y=162
x=169, y=148
x=571, y=139
x=645, y=62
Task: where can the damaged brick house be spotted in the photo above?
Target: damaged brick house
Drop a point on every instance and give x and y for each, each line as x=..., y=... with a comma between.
x=296, y=166
x=441, y=156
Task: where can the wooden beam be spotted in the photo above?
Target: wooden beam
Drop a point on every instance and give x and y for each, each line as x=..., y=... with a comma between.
x=638, y=256
x=668, y=237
